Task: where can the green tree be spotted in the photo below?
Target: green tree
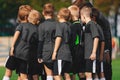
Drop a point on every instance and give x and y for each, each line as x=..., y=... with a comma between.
x=105, y=5
x=9, y=8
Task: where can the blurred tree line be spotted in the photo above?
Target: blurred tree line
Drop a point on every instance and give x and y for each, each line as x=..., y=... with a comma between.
x=9, y=8
x=106, y=5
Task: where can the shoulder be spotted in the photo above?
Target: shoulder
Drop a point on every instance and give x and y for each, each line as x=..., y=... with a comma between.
x=91, y=22
x=41, y=24
x=19, y=27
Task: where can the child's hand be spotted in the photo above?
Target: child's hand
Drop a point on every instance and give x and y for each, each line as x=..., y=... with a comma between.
x=93, y=56
x=40, y=60
x=54, y=56
x=11, y=51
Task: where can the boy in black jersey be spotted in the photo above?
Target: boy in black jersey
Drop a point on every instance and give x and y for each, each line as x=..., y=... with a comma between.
x=12, y=62
x=77, y=48
x=61, y=54
x=27, y=40
x=99, y=63
x=104, y=24
x=91, y=42
x=33, y=66
x=46, y=33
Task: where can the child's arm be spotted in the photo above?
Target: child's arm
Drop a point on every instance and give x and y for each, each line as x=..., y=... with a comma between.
x=15, y=37
x=57, y=45
x=102, y=50
x=40, y=43
x=95, y=45
x=39, y=51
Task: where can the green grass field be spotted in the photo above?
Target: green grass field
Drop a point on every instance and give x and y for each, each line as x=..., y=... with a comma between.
x=115, y=67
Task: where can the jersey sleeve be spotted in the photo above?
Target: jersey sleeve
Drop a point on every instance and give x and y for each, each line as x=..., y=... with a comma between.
x=19, y=28
x=59, y=31
x=94, y=30
x=101, y=34
x=40, y=32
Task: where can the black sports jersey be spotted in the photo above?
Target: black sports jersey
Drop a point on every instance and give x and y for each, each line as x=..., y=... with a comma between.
x=46, y=33
x=26, y=40
x=91, y=32
x=100, y=32
x=101, y=39
x=63, y=31
x=76, y=33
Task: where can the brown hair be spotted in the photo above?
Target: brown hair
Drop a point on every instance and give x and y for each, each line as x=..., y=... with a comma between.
x=74, y=10
x=95, y=14
x=28, y=7
x=64, y=13
x=34, y=17
x=23, y=12
x=48, y=9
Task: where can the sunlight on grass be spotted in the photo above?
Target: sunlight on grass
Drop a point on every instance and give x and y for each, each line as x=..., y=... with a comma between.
x=115, y=67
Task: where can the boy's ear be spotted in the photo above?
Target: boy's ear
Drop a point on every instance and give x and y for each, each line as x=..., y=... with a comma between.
x=43, y=13
x=58, y=16
x=84, y=17
x=94, y=18
x=26, y=18
x=38, y=22
x=91, y=15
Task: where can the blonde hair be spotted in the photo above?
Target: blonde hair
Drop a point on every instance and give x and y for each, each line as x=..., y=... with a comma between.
x=34, y=17
x=74, y=10
x=86, y=11
x=64, y=13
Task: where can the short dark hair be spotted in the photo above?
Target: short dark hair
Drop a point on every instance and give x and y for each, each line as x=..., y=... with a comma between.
x=87, y=4
x=95, y=13
x=48, y=9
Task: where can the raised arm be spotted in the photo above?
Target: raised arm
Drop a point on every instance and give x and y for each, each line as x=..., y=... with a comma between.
x=15, y=37
x=57, y=45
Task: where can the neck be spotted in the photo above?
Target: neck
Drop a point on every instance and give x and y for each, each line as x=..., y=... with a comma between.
x=48, y=17
x=62, y=20
x=32, y=23
x=87, y=20
x=75, y=18
x=24, y=21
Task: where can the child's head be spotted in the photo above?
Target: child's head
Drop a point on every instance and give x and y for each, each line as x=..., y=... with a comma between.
x=23, y=12
x=74, y=11
x=85, y=13
x=78, y=2
x=34, y=17
x=48, y=10
x=64, y=13
x=28, y=7
x=95, y=14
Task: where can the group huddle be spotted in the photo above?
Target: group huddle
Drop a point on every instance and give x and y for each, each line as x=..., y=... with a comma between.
x=57, y=48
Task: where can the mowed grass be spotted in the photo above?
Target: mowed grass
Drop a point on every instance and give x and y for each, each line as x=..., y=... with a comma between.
x=115, y=68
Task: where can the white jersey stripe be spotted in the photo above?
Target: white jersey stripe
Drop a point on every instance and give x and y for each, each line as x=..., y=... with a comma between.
x=94, y=66
x=59, y=67
x=6, y=60
x=101, y=66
